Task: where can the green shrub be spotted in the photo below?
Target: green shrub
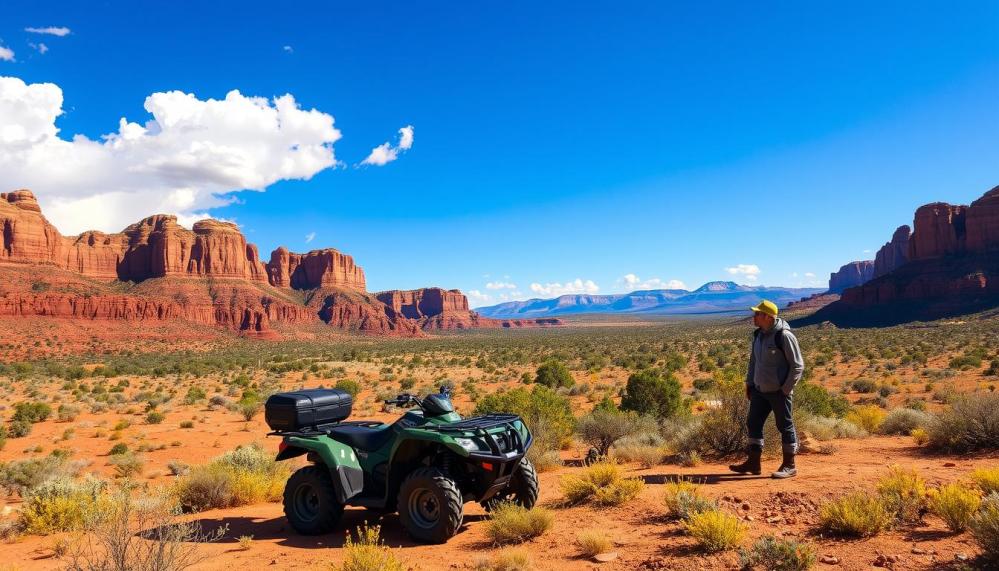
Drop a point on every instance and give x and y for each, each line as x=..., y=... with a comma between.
x=776, y=554
x=858, y=514
x=31, y=411
x=985, y=527
x=155, y=417
x=67, y=413
x=194, y=395
x=815, y=399
x=119, y=448
x=902, y=421
x=61, y=504
x=352, y=387
x=547, y=414
x=864, y=385
x=955, y=504
x=649, y=393
x=602, y=428
x=715, y=530
x=18, y=428
x=554, y=374
x=513, y=523
x=683, y=499
x=971, y=423
x=23, y=476
x=126, y=465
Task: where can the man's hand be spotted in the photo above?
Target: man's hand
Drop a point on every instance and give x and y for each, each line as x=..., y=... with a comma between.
x=749, y=392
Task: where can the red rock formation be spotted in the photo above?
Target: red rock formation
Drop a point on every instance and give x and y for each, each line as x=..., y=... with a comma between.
x=982, y=223
x=156, y=270
x=850, y=275
x=939, y=230
x=893, y=254
x=318, y=268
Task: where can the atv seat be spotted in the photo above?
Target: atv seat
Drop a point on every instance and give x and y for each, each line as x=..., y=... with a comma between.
x=366, y=438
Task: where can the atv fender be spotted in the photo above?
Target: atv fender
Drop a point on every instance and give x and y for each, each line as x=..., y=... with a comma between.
x=340, y=459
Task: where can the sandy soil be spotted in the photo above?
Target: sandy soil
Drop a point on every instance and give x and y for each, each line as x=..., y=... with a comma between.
x=644, y=538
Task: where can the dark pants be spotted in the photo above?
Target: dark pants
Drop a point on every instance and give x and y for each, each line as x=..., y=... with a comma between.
x=760, y=407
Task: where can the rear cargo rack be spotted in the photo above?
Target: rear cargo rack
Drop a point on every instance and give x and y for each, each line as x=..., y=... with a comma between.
x=323, y=428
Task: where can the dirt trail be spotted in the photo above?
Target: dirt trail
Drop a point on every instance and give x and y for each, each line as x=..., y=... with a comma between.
x=645, y=539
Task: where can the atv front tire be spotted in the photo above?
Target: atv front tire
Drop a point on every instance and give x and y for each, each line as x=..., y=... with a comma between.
x=310, y=501
x=522, y=489
x=430, y=505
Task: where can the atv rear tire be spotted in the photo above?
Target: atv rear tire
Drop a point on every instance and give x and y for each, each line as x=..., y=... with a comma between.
x=310, y=501
x=522, y=489
x=430, y=505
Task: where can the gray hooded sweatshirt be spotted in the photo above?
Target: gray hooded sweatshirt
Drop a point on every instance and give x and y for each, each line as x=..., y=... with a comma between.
x=775, y=368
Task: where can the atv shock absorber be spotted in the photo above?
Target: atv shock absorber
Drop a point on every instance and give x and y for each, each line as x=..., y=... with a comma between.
x=447, y=463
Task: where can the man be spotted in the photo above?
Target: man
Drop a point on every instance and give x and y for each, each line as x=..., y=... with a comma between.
x=775, y=366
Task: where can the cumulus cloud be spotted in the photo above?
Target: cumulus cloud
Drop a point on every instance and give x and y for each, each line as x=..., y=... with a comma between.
x=6, y=54
x=40, y=47
x=476, y=298
x=50, y=30
x=574, y=287
x=191, y=155
x=631, y=282
x=385, y=153
x=749, y=272
x=501, y=285
x=310, y=237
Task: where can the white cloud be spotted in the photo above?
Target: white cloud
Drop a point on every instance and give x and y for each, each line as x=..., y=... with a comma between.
x=631, y=282
x=40, y=47
x=50, y=30
x=385, y=153
x=186, y=159
x=501, y=285
x=809, y=274
x=749, y=272
x=6, y=54
x=310, y=237
x=574, y=287
x=288, y=49
x=476, y=298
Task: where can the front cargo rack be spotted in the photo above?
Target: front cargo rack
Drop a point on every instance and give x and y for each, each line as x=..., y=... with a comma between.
x=473, y=424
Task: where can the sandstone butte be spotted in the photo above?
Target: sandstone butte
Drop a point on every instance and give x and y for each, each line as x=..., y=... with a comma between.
x=950, y=259
x=156, y=270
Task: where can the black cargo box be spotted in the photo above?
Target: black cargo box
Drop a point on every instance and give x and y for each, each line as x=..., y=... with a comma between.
x=308, y=409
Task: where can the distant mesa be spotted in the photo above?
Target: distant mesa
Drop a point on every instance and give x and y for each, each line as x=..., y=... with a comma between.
x=719, y=297
x=947, y=265
x=157, y=270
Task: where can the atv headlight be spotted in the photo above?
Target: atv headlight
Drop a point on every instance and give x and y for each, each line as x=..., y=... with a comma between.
x=467, y=444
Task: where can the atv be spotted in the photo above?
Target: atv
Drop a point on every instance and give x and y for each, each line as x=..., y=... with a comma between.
x=425, y=465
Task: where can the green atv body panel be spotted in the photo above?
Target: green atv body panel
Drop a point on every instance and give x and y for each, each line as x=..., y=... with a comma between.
x=370, y=473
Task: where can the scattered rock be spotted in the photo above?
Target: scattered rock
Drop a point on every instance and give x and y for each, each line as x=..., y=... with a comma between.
x=829, y=560
x=605, y=557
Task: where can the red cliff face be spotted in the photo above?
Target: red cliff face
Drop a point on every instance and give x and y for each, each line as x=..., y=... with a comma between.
x=318, y=268
x=894, y=254
x=953, y=260
x=156, y=270
x=850, y=275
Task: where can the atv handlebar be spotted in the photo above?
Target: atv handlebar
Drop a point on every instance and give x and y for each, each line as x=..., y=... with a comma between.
x=407, y=398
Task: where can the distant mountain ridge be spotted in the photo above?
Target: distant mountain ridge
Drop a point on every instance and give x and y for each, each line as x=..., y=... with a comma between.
x=712, y=297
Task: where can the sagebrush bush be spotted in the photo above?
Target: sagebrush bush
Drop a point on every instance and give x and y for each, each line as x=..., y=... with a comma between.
x=602, y=484
x=23, y=476
x=246, y=475
x=970, y=423
x=985, y=527
x=683, y=499
x=506, y=560
x=955, y=504
x=127, y=464
x=715, y=530
x=602, y=428
x=770, y=553
x=987, y=480
x=904, y=494
x=366, y=552
x=858, y=514
x=513, y=523
x=593, y=542
x=902, y=421
x=61, y=504
x=826, y=428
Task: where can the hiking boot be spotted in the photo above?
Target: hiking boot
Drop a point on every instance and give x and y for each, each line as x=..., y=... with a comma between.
x=787, y=469
x=752, y=463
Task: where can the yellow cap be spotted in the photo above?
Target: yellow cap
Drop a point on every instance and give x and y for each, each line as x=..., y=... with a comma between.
x=766, y=306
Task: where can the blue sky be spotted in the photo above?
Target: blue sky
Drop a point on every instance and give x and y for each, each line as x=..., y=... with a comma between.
x=556, y=148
